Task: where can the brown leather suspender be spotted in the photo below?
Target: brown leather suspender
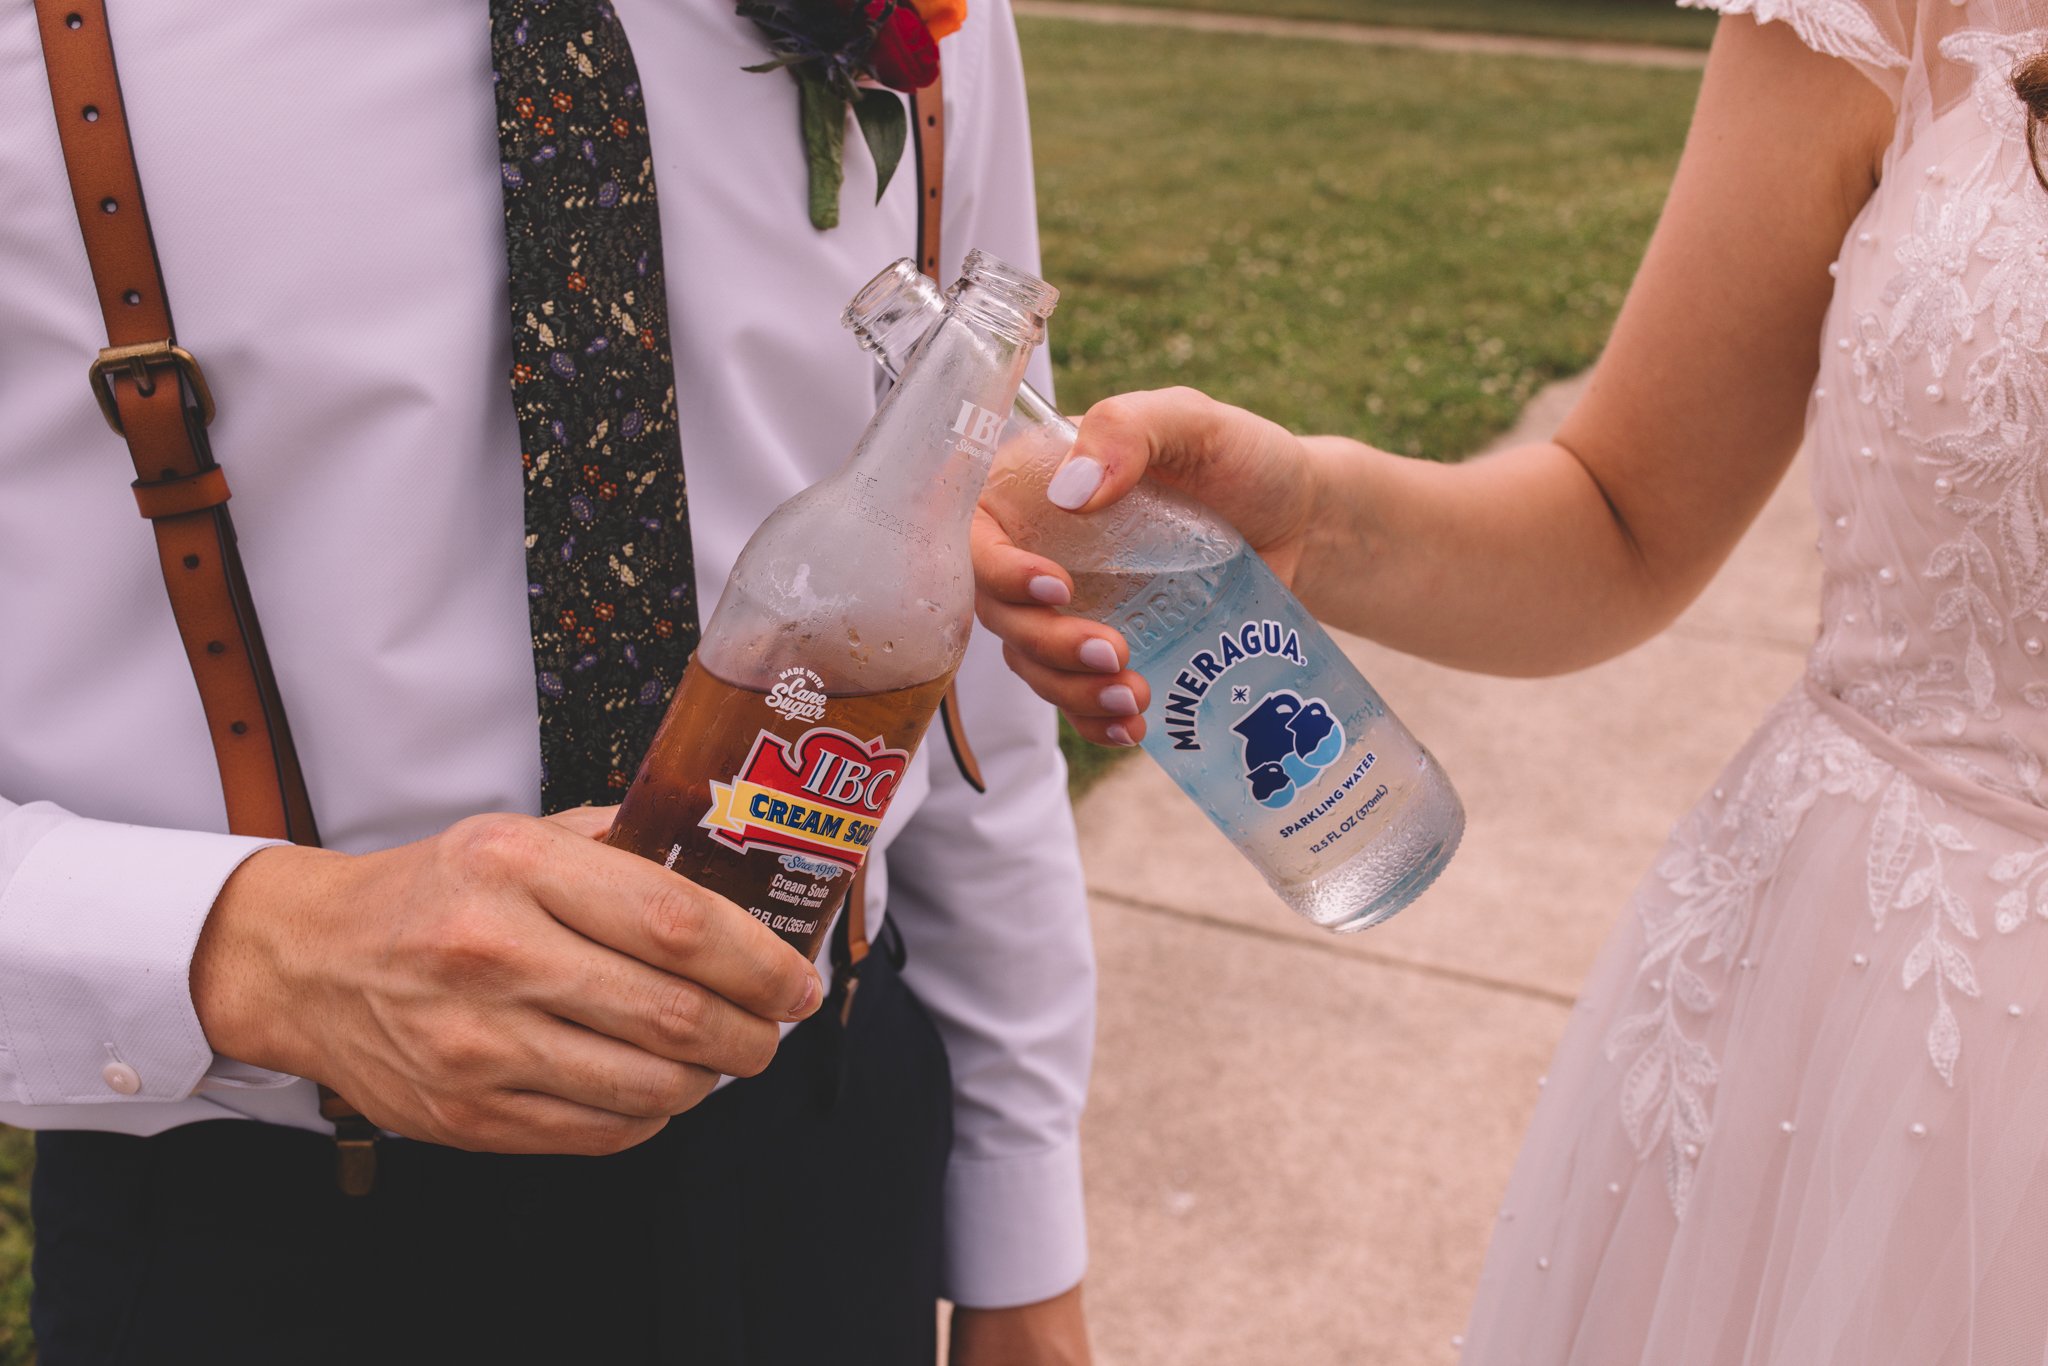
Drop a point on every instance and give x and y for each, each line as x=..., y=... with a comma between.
x=928, y=125
x=154, y=395
x=928, y=137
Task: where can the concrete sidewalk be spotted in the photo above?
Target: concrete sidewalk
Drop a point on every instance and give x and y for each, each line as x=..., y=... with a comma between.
x=1296, y=1141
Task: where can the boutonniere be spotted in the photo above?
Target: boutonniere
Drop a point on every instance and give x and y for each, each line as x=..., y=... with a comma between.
x=853, y=55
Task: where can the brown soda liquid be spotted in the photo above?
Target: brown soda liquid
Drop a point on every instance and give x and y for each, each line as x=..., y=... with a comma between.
x=770, y=797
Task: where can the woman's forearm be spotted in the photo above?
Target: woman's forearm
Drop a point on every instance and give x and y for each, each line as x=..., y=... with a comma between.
x=1511, y=563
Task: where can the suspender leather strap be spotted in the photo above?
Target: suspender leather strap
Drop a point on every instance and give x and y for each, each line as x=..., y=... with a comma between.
x=928, y=137
x=928, y=130
x=153, y=393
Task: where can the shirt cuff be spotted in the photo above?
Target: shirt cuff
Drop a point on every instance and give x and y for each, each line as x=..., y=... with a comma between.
x=97, y=928
x=1016, y=1228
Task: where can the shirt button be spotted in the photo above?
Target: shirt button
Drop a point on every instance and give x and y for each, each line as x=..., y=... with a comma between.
x=121, y=1078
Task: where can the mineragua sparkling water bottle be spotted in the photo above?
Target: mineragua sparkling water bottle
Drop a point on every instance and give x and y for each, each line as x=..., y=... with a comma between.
x=836, y=635
x=1255, y=711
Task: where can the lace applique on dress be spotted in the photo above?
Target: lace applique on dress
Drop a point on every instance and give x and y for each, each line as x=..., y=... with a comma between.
x=1947, y=348
x=1714, y=870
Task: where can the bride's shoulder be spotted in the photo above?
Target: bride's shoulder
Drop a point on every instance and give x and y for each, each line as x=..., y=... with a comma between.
x=1874, y=34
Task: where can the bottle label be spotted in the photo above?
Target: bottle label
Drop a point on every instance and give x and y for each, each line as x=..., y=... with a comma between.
x=772, y=795
x=798, y=694
x=820, y=796
x=1264, y=722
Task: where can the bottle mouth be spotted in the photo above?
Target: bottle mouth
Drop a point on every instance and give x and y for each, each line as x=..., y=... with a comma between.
x=1020, y=289
x=901, y=295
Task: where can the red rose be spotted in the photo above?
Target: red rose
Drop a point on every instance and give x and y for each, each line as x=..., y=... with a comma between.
x=905, y=55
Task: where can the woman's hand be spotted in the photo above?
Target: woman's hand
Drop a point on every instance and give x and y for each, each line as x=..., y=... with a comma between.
x=1256, y=474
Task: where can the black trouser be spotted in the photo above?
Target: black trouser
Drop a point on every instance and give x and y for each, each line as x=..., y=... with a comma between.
x=790, y=1220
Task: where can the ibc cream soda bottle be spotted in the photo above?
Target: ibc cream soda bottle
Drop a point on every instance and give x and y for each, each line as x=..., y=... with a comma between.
x=838, y=630
x=1255, y=711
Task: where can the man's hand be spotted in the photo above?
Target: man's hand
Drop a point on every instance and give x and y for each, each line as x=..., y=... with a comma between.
x=508, y=985
x=1052, y=1332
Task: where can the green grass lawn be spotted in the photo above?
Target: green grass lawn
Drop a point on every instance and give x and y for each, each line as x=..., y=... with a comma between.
x=1398, y=245
x=16, y=1152
x=1626, y=21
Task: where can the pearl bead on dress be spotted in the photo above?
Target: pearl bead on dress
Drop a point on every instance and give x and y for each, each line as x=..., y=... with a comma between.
x=1861, y=960
x=1866, y=452
x=2032, y=645
x=1785, y=1126
x=1885, y=575
x=1917, y=1130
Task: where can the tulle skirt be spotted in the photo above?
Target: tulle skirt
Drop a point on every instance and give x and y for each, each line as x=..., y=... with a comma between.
x=1800, y=1116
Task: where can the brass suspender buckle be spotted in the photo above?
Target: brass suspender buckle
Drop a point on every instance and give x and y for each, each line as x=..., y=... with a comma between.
x=141, y=362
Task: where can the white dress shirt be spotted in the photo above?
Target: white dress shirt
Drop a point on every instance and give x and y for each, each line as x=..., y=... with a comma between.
x=323, y=185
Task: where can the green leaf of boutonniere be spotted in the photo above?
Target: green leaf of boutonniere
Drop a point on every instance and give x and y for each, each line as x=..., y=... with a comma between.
x=885, y=126
x=824, y=120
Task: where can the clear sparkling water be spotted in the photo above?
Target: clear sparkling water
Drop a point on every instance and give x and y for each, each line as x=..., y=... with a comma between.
x=1266, y=724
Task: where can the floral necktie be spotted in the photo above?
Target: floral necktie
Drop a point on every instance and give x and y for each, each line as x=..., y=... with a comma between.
x=610, y=587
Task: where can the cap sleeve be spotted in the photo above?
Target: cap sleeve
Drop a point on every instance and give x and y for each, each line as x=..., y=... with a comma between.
x=1875, y=35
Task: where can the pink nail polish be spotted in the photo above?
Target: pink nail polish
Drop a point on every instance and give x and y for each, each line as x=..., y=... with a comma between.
x=1099, y=655
x=1119, y=700
x=1074, y=483
x=1048, y=590
x=1118, y=735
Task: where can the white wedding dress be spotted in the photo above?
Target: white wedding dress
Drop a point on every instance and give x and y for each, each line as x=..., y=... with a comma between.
x=1800, y=1117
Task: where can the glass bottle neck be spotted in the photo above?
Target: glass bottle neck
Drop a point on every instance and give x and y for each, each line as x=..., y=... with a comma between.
x=899, y=309
x=928, y=450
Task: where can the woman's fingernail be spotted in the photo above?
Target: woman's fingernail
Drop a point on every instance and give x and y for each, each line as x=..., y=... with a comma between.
x=1075, y=483
x=1119, y=700
x=1100, y=655
x=1118, y=735
x=1048, y=590
x=808, y=1001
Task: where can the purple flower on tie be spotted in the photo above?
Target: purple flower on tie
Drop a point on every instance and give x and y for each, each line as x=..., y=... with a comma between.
x=650, y=692
x=651, y=523
x=534, y=590
x=546, y=153
x=559, y=362
x=551, y=683
x=568, y=550
x=585, y=662
x=631, y=424
x=558, y=431
x=675, y=594
x=597, y=344
x=580, y=506
x=519, y=33
x=640, y=265
x=632, y=655
x=608, y=195
x=513, y=177
x=590, y=151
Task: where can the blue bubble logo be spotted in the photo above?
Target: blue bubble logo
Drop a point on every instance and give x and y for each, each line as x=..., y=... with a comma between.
x=1287, y=741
